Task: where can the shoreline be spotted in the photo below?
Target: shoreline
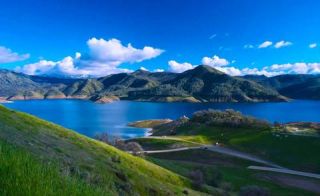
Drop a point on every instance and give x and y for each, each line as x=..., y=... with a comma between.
x=8, y=99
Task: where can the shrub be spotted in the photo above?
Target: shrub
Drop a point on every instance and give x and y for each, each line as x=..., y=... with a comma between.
x=135, y=148
x=103, y=137
x=228, y=117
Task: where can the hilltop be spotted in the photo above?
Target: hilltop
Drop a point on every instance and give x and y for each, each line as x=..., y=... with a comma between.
x=297, y=86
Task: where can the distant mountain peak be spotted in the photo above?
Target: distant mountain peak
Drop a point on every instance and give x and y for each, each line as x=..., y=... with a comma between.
x=140, y=72
x=202, y=69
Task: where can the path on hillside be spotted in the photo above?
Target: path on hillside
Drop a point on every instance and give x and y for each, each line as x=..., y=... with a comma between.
x=285, y=171
x=214, y=148
x=218, y=149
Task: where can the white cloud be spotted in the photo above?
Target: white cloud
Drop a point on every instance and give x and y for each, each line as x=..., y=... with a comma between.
x=143, y=69
x=103, y=58
x=313, y=45
x=38, y=68
x=273, y=70
x=8, y=56
x=229, y=70
x=158, y=70
x=265, y=44
x=176, y=67
x=215, y=61
x=289, y=68
x=113, y=51
x=248, y=46
x=282, y=44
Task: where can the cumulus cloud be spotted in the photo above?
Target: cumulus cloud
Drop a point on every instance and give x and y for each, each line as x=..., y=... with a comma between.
x=103, y=58
x=265, y=44
x=313, y=45
x=282, y=44
x=8, y=56
x=112, y=51
x=176, y=67
x=273, y=70
x=38, y=68
x=215, y=61
x=221, y=64
x=289, y=68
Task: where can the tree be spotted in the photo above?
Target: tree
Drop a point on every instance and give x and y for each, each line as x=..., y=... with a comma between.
x=104, y=137
x=120, y=144
x=135, y=148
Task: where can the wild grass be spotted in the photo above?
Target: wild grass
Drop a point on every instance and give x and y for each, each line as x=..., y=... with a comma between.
x=22, y=174
x=97, y=164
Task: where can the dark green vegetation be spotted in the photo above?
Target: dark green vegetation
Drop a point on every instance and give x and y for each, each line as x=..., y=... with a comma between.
x=229, y=174
x=36, y=152
x=202, y=84
x=233, y=130
x=247, y=134
x=294, y=86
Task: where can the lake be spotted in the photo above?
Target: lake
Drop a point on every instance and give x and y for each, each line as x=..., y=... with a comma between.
x=90, y=118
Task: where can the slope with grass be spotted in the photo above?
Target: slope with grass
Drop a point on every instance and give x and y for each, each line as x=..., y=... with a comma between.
x=73, y=160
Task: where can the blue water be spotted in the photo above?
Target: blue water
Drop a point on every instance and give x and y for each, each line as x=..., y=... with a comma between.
x=90, y=119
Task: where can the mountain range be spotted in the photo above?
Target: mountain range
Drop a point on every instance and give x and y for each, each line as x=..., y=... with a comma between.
x=201, y=84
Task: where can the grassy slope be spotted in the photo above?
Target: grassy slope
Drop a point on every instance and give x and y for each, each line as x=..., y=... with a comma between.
x=85, y=159
x=21, y=172
x=161, y=144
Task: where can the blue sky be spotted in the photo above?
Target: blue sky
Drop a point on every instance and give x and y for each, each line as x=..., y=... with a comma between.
x=185, y=31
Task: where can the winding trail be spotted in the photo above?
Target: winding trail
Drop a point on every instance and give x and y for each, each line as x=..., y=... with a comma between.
x=285, y=171
x=214, y=148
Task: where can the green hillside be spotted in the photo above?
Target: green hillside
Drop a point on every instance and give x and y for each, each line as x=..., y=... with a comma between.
x=36, y=152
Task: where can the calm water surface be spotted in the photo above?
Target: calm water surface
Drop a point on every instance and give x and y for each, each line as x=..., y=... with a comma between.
x=90, y=119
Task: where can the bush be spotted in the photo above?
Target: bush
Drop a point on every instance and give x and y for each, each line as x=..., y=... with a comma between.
x=120, y=144
x=253, y=190
x=197, y=178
